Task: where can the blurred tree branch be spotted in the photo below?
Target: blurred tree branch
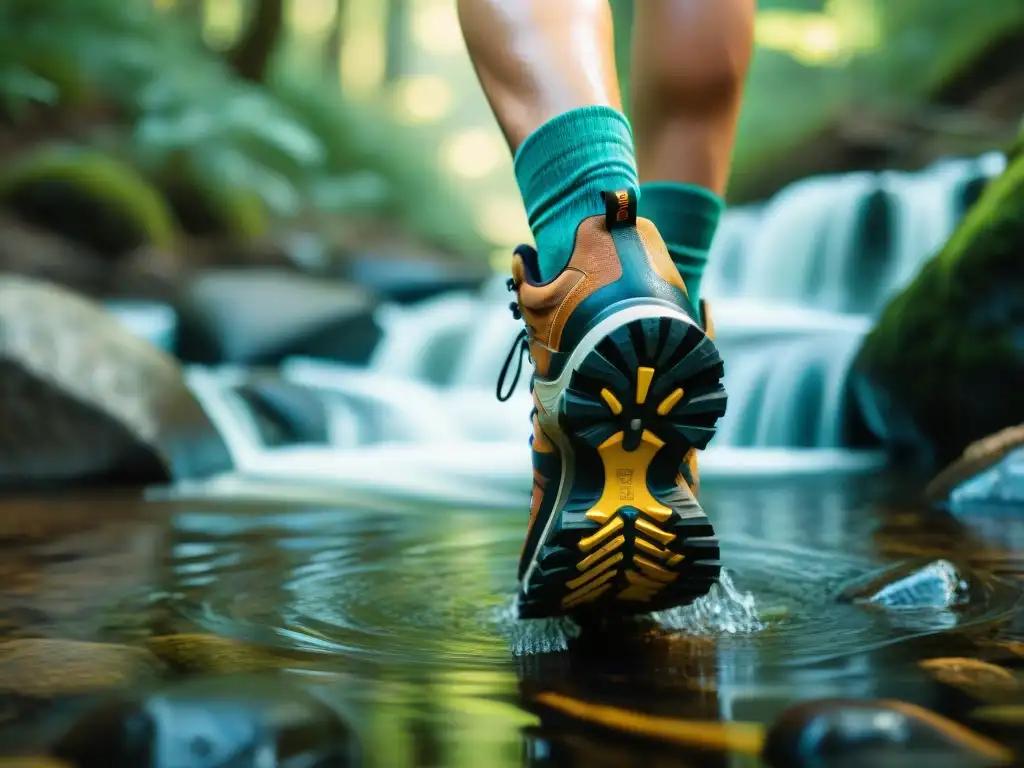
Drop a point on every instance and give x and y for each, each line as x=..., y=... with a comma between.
x=332, y=45
x=251, y=55
x=397, y=41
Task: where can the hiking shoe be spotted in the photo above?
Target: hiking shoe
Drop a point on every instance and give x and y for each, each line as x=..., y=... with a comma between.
x=627, y=386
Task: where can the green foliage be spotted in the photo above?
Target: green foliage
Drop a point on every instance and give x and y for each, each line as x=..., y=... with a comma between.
x=225, y=152
x=382, y=163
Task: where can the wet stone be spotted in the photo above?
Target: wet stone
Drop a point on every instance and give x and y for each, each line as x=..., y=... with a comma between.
x=198, y=654
x=911, y=584
x=970, y=674
x=206, y=723
x=1002, y=483
x=85, y=401
x=45, y=669
x=834, y=733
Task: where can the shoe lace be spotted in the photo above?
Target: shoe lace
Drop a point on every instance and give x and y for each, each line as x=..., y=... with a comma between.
x=520, y=349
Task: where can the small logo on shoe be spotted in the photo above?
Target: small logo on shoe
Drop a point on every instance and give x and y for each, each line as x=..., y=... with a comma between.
x=625, y=477
x=620, y=208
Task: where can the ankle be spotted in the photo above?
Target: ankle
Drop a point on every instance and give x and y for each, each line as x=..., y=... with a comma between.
x=562, y=169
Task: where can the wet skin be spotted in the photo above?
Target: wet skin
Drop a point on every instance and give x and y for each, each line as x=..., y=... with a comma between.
x=400, y=617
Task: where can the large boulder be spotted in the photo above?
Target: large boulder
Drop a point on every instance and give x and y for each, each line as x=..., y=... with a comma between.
x=944, y=366
x=85, y=401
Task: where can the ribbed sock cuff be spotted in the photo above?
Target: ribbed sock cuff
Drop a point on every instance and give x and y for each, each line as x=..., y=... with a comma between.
x=563, y=167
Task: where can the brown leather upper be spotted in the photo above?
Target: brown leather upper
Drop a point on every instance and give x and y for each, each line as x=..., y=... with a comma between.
x=594, y=264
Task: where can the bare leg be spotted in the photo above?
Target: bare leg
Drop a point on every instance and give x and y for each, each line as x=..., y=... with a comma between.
x=537, y=59
x=690, y=60
x=548, y=69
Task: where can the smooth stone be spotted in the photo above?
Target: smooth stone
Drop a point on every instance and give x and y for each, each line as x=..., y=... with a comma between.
x=1002, y=483
x=263, y=316
x=285, y=412
x=46, y=669
x=85, y=401
x=197, y=654
x=406, y=281
x=834, y=733
x=910, y=584
x=980, y=679
x=211, y=723
x=990, y=472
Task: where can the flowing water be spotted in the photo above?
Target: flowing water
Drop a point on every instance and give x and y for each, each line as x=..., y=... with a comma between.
x=399, y=616
x=795, y=284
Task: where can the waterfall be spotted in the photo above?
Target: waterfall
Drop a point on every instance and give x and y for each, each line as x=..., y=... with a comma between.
x=794, y=285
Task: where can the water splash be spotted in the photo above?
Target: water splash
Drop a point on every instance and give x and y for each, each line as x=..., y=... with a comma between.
x=724, y=610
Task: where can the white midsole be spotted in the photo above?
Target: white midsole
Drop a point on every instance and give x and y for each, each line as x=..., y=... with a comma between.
x=550, y=396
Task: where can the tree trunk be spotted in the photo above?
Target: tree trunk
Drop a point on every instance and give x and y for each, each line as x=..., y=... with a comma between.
x=332, y=45
x=397, y=43
x=251, y=55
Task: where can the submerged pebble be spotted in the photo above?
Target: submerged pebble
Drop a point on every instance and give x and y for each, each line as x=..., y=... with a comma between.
x=911, y=584
x=42, y=668
x=248, y=723
x=834, y=733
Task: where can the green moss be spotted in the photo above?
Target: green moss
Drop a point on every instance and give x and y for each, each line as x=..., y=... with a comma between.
x=40, y=178
x=206, y=206
x=948, y=349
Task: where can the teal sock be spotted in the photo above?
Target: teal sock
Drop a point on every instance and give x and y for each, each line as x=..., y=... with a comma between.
x=563, y=167
x=686, y=216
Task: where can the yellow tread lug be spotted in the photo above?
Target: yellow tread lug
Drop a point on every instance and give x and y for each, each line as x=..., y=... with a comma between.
x=670, y=402
x=587, y=544
x=612, y=401
x=643, y=382
x=594, y=572
x=607, y=549
x=654, y=531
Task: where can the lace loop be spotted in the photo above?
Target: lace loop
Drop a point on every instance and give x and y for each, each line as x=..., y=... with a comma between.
x=520, y=346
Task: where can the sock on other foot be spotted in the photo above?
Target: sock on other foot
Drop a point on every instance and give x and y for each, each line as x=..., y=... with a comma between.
x=563, y=167
x=687, y=216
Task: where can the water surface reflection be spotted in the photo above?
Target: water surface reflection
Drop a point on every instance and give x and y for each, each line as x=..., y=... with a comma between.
x=400, y=616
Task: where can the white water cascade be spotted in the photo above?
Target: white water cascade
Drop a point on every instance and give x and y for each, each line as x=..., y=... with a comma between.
x=794, y=285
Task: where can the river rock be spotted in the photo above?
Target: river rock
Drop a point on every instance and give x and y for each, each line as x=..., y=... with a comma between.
x=989, y=473
x=830, y=733
x=84, y=400
x=285, y=412
x=910, y=584
x=944, y=365
x=262, y=316
x=198, y=654
x=46, y=669
x=207, y=723
x=410, y=280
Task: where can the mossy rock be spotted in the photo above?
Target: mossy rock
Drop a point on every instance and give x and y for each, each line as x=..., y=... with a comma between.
x=46, y=669
x=944, y=365
x=204, y=208
x=89, y=197
x=199, y=654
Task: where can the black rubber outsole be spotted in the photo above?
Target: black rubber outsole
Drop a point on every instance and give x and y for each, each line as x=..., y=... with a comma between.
x=630, y=538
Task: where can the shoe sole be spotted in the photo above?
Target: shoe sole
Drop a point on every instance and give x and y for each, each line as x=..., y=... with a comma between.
x=638, y=393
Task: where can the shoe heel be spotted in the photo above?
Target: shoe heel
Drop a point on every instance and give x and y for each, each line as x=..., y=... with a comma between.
x=631, y=537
